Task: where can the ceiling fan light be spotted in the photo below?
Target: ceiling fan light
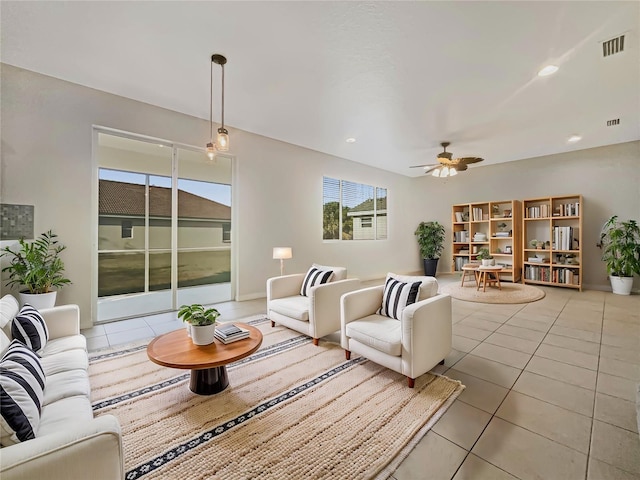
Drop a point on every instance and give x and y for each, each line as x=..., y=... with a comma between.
x=436, y=172
x=548, y=70
x=452, y=172
x=445, y=172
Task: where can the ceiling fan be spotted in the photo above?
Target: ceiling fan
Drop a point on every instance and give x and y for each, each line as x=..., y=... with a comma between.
x=448, y=166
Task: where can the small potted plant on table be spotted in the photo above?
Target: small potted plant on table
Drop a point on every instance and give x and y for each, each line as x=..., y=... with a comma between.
x=485, y=255
x=202, y=322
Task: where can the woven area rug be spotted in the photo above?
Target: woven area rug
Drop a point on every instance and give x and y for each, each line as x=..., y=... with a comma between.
x=292, y=410
x=510, y=293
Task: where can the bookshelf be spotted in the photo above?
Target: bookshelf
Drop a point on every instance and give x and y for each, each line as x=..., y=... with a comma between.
x=556, y=222
x=493, y=225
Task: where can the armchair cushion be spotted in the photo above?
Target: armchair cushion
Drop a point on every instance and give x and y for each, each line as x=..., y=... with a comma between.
x=396, y=296
x=379, y=332
x=22, y=380
x=314, y=277
x=296, y=307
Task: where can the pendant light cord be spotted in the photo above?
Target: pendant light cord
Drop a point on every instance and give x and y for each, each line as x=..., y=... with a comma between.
x=211, y=102
x=222, y=95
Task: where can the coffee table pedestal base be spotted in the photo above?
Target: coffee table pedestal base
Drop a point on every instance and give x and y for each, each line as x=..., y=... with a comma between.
x=209, y=381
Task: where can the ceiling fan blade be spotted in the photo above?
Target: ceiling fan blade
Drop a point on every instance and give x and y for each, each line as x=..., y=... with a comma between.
x=431, y=168
x=425, y=165
x=469, y=160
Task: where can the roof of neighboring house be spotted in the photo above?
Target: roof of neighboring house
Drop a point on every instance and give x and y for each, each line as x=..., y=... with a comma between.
x=121, y=198
x=367, y=206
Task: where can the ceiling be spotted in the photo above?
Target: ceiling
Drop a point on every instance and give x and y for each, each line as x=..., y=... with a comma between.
x=399, y=77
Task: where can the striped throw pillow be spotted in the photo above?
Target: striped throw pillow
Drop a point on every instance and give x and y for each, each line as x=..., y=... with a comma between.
x=397, y=295
x=21, y=393
x=29, y=327
x=314, y=277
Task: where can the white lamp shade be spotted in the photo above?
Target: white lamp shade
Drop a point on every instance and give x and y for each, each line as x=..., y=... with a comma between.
x=282, y=253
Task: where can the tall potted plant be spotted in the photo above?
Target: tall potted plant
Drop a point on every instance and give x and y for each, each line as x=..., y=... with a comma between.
x=38, y=267
x=430, y=236
x=620, y=241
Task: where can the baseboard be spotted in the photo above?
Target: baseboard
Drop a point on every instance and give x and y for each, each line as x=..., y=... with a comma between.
x=250, y=296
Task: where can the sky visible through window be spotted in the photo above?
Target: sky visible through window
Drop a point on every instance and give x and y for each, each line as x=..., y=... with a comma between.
x=217, y=192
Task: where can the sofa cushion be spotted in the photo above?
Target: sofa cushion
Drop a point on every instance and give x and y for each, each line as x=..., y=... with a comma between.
x=396, y=296
x=64, y=361
x=58, y=415
x=379, y=332
x=63, y=344
x=66, y=384
x=314, y=277
x=9, y=308
x=296, y=307
x=30, y=328
x=428, y=285
x=22, y=381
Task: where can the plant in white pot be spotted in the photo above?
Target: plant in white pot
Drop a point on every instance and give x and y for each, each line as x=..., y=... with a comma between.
x=486, y=257
x=202, y=322
x=620, y=241
x=38, y=267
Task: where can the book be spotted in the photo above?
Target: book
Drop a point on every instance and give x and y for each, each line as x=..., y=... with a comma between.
x=228, y=329
x=229, y=333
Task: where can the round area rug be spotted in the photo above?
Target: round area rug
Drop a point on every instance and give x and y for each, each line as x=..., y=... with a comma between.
x=510, y=293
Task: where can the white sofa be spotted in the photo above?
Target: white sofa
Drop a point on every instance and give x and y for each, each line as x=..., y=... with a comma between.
x=70, y=443
x=412, y=345
x=315, y=315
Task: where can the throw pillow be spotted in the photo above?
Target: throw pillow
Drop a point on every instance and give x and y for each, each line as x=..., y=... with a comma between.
x=29, y=327
x=396, y=296
x=21, y=393
x=314, y=277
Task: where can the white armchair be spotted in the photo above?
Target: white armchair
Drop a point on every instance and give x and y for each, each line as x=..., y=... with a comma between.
x=315, y=315
x=412, y=345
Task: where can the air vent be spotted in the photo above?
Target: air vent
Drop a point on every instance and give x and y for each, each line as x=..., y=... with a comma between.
x=614, y=122
x=613, y=46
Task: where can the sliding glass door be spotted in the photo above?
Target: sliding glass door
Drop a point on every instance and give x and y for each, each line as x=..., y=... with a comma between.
x=164, y=227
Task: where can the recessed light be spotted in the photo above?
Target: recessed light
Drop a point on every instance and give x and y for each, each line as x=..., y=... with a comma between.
x=548, y=70
x=350, y=140
x=574, y=138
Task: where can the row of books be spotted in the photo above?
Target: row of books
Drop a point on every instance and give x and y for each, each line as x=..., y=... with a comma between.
x=460, y=261
x=567, y=210
x=540, y=274
x=538, y=211
x=476, y=214
x=461, y=236
x=563, y=238
x=566, y=275
x=229, y=333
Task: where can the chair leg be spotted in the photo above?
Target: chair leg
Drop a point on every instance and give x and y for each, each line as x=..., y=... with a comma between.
x=347, y=354
x=273, y=324
x=411, y=382
x=441, y=362
x=316, y=341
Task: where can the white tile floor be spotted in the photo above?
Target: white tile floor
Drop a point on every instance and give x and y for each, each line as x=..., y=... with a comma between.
x=550, y=387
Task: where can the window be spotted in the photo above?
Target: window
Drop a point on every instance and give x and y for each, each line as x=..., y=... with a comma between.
x=226, y=232
x=353, y=211
x=127, y=229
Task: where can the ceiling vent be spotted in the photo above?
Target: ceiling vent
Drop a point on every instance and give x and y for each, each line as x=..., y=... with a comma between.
x=613, y=46
x=614, y=122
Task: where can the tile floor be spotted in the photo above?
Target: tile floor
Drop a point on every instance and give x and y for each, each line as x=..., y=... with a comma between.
x=550, y=387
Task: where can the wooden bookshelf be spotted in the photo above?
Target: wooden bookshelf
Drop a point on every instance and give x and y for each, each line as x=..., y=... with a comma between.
x=500, y=223
x=557, y=222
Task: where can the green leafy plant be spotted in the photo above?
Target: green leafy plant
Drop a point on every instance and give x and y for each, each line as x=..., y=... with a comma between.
x=484, y=254
x=533, y=243
x=621, y=243
x=430, y=236
x=36, y=265
x=197, y=315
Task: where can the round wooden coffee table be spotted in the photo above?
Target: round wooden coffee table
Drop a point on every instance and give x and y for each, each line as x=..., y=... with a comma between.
x=206, y=362
x=488, y=275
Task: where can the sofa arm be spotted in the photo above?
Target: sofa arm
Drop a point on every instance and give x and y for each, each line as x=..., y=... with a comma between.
x=86, y=450
x=358, y=304
x=426, y=333
x=324, y=305
x=62, y=321
x=285, y=286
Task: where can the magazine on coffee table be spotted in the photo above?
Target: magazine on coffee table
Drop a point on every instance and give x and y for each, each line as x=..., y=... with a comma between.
x=228, y=333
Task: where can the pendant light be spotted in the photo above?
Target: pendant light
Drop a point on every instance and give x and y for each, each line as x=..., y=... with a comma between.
x=222, y=139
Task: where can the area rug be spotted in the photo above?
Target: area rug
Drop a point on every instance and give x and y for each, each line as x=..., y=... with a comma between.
x=510, y=293
x=292, y=410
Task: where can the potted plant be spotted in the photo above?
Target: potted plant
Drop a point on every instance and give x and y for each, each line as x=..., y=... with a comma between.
x=201, y=322
x=533, y=243
x=38, y=267
x=620, y=241
x=430, y=236
x=485, y=255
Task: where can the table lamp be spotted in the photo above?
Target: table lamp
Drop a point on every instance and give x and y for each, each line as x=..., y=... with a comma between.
x=282, y=253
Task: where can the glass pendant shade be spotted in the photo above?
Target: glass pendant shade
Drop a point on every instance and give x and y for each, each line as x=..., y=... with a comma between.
x=436, y=172
x=452, y=172
x=223, y=140
x=211, y=151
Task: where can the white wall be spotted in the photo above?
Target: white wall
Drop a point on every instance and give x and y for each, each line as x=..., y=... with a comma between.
x=47, y=162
